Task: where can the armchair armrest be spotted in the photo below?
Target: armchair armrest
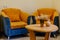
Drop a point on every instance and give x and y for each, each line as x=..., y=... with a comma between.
x=5, y=18
x=55, y=15
x=35, y=13
x=31, y=20
x=36, y=17
x=24, y=16
x=56, y=21
x=6, y=25
x=3, y=14
x=7, y=21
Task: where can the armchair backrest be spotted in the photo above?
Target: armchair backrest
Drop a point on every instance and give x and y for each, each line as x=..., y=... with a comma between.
x=12, y=13
x=47, y=11
x=52, y=13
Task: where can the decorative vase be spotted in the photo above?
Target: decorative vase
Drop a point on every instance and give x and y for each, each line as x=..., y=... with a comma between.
x=41, y=22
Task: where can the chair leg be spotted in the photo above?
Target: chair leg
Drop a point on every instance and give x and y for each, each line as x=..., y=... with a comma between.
x=8, y=38
x=54, y=36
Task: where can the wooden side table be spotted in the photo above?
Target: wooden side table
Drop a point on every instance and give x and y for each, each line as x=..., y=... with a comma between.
x=36, y=27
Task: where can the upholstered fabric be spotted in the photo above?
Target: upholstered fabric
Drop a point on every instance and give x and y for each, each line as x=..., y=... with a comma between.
x=46, y=11
x=24, y=16
x=20, y=24
x=13, y=14
x=12, y=32
x=18, y=18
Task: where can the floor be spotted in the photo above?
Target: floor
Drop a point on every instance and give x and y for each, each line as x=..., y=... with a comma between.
x=28, y=38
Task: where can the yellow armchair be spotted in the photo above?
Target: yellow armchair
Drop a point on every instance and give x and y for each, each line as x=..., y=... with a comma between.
x=18, y=18
x=46, y=11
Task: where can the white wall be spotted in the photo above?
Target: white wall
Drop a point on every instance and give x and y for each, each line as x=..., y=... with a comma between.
x=27, y=5
x=57, y=5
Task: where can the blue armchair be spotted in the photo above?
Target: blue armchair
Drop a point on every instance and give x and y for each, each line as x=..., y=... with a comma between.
x=14, y=30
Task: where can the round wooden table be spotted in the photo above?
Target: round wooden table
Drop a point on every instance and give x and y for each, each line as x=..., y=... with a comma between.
x=36, y=27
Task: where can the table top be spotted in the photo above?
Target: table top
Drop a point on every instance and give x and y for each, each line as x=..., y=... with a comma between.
x=36, y=27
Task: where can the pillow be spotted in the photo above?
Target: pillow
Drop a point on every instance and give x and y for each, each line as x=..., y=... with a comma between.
x=14, y=17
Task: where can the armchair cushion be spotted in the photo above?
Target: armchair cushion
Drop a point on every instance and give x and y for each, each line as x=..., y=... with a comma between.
x=15, y=25
x=12, y=14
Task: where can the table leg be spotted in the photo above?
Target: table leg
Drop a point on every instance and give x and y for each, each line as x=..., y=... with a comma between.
x=47, y=36
x=32, y=35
